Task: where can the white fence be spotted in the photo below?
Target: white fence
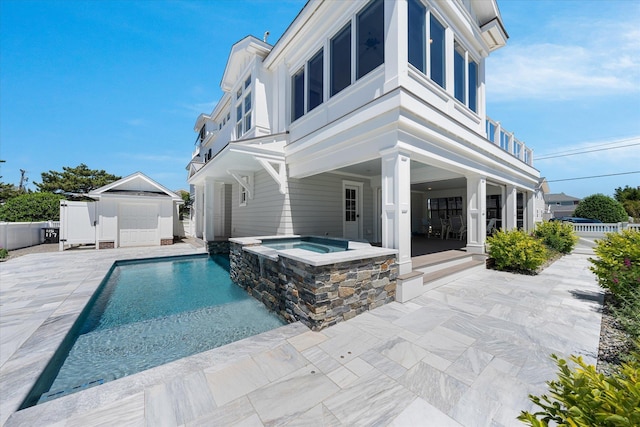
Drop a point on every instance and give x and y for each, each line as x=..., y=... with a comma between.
x=16, y=235
x=600, y=229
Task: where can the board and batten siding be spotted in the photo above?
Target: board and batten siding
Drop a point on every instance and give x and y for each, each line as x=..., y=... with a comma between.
x=313, y=206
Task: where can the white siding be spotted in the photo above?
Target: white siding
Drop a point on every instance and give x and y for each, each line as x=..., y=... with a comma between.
x=313, y=206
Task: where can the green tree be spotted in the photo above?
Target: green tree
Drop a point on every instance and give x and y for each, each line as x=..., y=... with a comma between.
x=7, y=191
x=186, y=198
x=74, y=181
x=601, y=207
x=32, y=207
x=630, y=199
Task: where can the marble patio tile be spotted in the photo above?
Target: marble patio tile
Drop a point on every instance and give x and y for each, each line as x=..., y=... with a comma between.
x=191, y=397
x=475, y=409
x=129, y=411
x=319, y=415
x=442, y=345
x=439, y=389
x=376, y=326
x=236, y=412
x=342, y=376
x=285, y=400
x=280, y=361
x=358, y=366
x=308, y=339
x=402, y=352
x=420, y=412
x=395, y=310
x=321, y=359
x=425, y=319
x=235, y=380
x=251, y=421
x=383, y=364
x=469, y=365
x=436, y=361
x=374, y=399
x=349, y=345
x=158, y=406
x=465, y=324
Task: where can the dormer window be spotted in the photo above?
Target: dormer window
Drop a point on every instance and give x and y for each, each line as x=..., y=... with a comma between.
x=202, y=133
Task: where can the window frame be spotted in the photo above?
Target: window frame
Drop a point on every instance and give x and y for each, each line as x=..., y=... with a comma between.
x=244, y=121
x=362, y=18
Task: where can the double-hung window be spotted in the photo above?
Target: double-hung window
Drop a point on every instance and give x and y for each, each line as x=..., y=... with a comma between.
x=297, y=95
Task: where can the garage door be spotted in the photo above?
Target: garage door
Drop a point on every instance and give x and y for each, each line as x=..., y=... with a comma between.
x=138, y=224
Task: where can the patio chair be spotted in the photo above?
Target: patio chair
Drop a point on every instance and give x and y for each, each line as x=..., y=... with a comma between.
x=437, y=227
x=491, y=226
x=457, y=227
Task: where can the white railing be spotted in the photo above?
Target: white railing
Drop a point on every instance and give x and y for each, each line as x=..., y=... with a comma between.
x=603, y=228
x=508, y=142
x=16, y=235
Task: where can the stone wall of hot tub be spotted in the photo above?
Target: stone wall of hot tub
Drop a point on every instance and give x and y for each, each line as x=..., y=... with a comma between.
x=318, y=296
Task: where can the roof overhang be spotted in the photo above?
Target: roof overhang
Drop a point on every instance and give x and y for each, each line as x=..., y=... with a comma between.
x=135, y=185
x=242, y=52
x=494, y=34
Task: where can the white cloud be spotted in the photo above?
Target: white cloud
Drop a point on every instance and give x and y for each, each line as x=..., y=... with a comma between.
x=598, y=58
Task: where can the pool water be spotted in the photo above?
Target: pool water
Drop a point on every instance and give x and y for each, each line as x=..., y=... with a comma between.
x=313, y=244
x=148, y=314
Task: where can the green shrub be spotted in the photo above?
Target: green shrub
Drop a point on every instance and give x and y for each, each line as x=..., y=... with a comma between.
x=583, y=397
x=516, y=250
x=32, y=207
x=556, y=235
x=618, y=264
x=601, y=207
x=3, y=253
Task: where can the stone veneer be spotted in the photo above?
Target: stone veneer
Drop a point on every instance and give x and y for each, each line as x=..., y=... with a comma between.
x=106, y=245
x=218, y=247
x=165, y=242
x=318, y=296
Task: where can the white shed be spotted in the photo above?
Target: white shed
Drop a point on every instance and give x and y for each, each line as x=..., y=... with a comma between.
x=134, y=211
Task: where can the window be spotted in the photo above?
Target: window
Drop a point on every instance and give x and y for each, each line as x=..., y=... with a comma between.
x=459, y=77
x=341, y=60
x=203, y=133
x=417, y=35
x=243, y=108
x=297, y=95
x=445, y=207
x=437, y=51
x=243, y=191
x=504, y=140
x=473, y=86
x=315, y=83
x=370, y=38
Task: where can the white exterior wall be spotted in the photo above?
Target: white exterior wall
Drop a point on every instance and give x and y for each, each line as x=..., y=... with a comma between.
x=312, y=206
x=108, y=211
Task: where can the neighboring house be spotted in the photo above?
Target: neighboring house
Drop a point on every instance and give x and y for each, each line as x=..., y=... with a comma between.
x=133, y=211
x=363, y=119
x=560, y=204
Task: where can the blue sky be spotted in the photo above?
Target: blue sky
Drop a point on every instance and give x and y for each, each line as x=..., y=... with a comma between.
x=118, y=84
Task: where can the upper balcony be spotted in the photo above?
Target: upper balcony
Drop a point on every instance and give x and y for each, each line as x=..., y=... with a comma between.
x=508, y=142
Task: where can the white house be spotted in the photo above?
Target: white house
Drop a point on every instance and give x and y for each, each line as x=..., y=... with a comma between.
x=133, y=211
x=366, y=117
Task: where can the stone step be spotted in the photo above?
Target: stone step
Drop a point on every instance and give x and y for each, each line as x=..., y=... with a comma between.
x=451, y=270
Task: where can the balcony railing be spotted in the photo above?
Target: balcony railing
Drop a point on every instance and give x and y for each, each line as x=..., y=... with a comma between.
x=508, y=142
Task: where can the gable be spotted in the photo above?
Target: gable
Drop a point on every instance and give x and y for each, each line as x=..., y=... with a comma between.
x=136, y=184
x=242, y=53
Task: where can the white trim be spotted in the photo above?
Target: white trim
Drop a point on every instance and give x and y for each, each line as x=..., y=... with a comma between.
x=280, y=176
x=247, y=185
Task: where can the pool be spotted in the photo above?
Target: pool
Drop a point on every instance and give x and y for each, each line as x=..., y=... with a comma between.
x=140, y=307
x=308, y=243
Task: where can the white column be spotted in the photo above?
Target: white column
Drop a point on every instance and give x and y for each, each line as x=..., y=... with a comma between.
x=198, y=215
x=396, y=44
x=209, y=205
x=476, y=213
x=396, y=206
x=529, y=210
x=510, y=220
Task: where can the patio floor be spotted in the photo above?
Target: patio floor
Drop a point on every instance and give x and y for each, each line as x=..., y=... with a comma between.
x=466, y=353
